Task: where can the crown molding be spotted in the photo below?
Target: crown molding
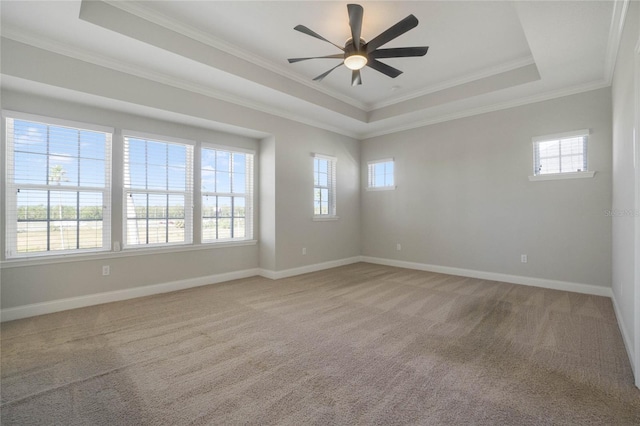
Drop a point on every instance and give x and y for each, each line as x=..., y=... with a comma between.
x=487, y=72
x=107, y=62
x=155, y=17
x=110, y=63
x=144, y=12
x=616, y=27
x=587, y=87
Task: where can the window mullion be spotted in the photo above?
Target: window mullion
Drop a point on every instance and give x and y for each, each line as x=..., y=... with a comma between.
x=560, y=155
x=77, y=220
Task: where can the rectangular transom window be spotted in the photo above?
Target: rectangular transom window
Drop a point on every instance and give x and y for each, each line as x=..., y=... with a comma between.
x=381, y=174
x=58, y=184
x=227, y=194
x=561, y=153
x=324, y=185
x=158, y=191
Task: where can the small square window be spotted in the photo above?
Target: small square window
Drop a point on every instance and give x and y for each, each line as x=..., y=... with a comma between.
x=381, y=174
x=564, y=153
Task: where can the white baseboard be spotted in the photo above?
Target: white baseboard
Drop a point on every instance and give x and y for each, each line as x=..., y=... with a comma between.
x=626, y=336
x=34, y=309
x=117, y=295
x=495, y=276
x=276, y=275
x=148, y=290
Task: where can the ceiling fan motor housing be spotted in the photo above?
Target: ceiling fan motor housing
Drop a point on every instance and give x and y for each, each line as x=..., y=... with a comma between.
x=350, y=48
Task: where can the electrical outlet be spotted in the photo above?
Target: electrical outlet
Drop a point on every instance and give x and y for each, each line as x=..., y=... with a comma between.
x=523, y=258
x=304, y=251
x=106, y=270
x=116, y=246
x=398, y=247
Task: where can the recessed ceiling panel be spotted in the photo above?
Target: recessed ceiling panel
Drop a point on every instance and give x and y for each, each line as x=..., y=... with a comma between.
x=465, y=39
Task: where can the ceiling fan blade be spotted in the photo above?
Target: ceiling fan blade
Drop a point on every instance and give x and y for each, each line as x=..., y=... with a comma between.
x=384, y=68
x=399, y=52
x=336, y=56
x=356, y=78
x=324, y=74
x=355, y=22
x=307, y=31
x=395, y=31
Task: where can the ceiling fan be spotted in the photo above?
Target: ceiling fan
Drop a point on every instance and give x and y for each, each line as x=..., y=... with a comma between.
x=358, y=53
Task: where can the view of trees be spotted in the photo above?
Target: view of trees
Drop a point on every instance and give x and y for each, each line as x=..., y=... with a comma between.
x=39, y=212
x=158, y=212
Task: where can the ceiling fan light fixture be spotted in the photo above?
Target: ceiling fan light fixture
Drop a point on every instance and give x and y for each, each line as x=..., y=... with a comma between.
x=357, y=53
x=355, y=62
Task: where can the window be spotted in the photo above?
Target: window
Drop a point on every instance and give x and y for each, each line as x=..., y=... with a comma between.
x=227, y=194
x=381, y=174
x=158, y=191
x=561, y=154
x=324, y=186
x=58, y=186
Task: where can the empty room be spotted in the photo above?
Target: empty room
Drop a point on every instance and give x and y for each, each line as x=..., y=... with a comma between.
x=320, y=212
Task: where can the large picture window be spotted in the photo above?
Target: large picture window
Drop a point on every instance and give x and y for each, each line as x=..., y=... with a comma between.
x=227, y=194
x=158, y=191
x=58, y=186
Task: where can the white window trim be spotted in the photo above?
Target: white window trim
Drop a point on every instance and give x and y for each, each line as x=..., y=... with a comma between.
x=564, y=175
x=108, y=251
x=381, y=188
x=324, y=218
x=189, y=190
x=564, y=135
x=333, y=210
x=11, y=187
x=249, y=195
x=98, y=255
x=155, y=137
x=560, y=176
x=56, y=121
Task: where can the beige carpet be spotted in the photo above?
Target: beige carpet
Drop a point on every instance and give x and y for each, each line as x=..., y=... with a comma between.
x=361, y=344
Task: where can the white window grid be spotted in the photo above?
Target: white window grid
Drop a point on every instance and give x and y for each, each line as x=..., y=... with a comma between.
x=381, y=174
x=160, y=224
x=226, y=193
x=324, y=185
x=561, y=153
x=98, y=237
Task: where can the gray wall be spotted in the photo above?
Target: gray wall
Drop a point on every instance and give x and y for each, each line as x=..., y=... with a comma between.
x=23, y=285
x=285, y=196
x=463, y=197
x=294, y=207
x=624, y=250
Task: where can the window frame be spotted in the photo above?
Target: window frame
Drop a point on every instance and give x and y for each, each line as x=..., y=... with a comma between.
x=249, y=194
x=371, y=175
x=331, y=187
x=536, y=141
x=188, y=192
x=11, y=187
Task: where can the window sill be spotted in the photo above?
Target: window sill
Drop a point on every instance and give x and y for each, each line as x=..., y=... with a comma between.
x=325, y=218
x=560, y=176
x=127, y=252
x=381, y=188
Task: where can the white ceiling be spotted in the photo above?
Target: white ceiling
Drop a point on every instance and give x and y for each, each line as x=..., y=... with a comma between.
x=482, y=55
